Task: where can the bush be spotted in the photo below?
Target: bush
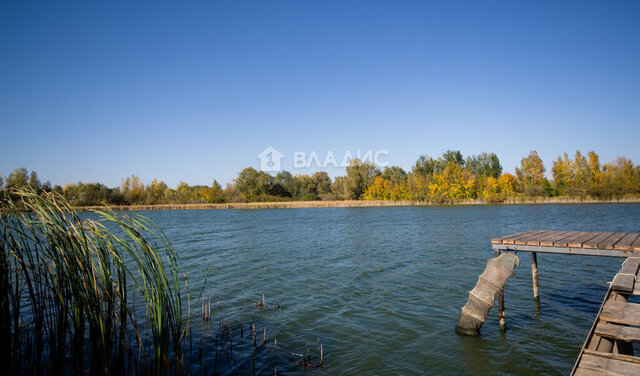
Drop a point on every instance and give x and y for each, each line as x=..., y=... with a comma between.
x=309, y=197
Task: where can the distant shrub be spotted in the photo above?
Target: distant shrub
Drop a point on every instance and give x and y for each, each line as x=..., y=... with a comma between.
x=309, y=197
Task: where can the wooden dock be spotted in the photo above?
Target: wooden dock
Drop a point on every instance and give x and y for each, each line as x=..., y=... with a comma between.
x=611, y=244
x=608, y=349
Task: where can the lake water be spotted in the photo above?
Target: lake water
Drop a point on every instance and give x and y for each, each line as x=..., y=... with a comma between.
x=382, y=288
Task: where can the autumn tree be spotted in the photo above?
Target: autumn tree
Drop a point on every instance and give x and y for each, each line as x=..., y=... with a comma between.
x=390, y=185
x=530, y=175
x=498, y=190
x=594, y=187
x=577, y=176
x=453, y=183
x=620, y=178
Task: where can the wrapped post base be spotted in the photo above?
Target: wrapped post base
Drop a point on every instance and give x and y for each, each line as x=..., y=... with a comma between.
x=490, y=285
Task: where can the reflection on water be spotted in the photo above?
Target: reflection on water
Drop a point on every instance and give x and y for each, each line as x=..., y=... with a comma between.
x=382, y=287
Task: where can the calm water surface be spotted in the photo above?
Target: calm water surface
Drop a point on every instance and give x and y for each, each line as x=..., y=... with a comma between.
x=382, y=288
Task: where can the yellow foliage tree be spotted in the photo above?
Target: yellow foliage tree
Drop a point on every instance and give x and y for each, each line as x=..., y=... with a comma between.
x=453, y=183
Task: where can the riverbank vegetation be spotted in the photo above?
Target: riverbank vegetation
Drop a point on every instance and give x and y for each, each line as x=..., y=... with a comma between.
x=106, y=294
x=451, y=178
x=69, y=287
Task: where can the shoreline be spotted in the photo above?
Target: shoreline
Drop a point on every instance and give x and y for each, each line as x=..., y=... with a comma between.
x=350, y=204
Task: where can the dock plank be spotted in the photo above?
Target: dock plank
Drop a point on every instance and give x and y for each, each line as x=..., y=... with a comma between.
x=623, y=283
x=630, y=266
x=522, y=240
x=625, y=243
x=595, y=242
x=619, y=332
x=590, y=372
x=612, y=240
x=578, y=242
x=501, y=238
x=621, y=313
x=551, y=240
x=610, y=365
x=565, y=241
x=545, y=236
x=636, y=245
x=623, y=357
x=512, y=239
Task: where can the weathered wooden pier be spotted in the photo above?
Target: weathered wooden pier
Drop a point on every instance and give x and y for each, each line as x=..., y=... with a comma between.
x=608, y=349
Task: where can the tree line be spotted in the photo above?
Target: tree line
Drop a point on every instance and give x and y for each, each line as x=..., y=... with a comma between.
x=446, y=179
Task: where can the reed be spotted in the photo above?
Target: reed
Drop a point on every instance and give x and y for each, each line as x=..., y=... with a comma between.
x=68, y=288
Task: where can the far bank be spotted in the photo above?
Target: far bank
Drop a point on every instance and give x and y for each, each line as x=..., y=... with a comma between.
x=352, y=204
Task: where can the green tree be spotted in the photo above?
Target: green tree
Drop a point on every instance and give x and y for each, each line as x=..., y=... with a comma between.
x=339, y=187
x=217, y=193
x=19, y=178
x=34, y=182
x=184, y=193
x=57, y=189
x=394, y=174
x=453, y=156
x=291, y=186
x=247, y=183
x=561, y=172
x=360, y=175
x=579, y=174
x=425, y=166
x=322, y=182
x=307, y=184
x=132, y=190
x=155, y=192
x=485, y=164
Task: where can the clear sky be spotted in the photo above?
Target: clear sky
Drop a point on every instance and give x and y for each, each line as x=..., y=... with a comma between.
x=96, y=91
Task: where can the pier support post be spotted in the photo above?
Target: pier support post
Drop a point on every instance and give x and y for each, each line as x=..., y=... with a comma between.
x=501, y=313
x=534, y=276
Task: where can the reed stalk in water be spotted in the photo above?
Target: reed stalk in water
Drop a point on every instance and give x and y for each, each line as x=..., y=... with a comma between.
x=67, y=289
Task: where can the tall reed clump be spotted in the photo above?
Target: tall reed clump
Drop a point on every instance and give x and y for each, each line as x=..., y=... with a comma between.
x=69, y=286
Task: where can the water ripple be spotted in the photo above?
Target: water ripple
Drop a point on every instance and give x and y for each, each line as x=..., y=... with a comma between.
x=382, y=287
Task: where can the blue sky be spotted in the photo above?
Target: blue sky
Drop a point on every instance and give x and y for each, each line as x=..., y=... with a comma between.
x=193, y=91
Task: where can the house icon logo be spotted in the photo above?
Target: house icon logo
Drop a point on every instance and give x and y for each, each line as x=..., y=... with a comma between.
x=270, y=159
